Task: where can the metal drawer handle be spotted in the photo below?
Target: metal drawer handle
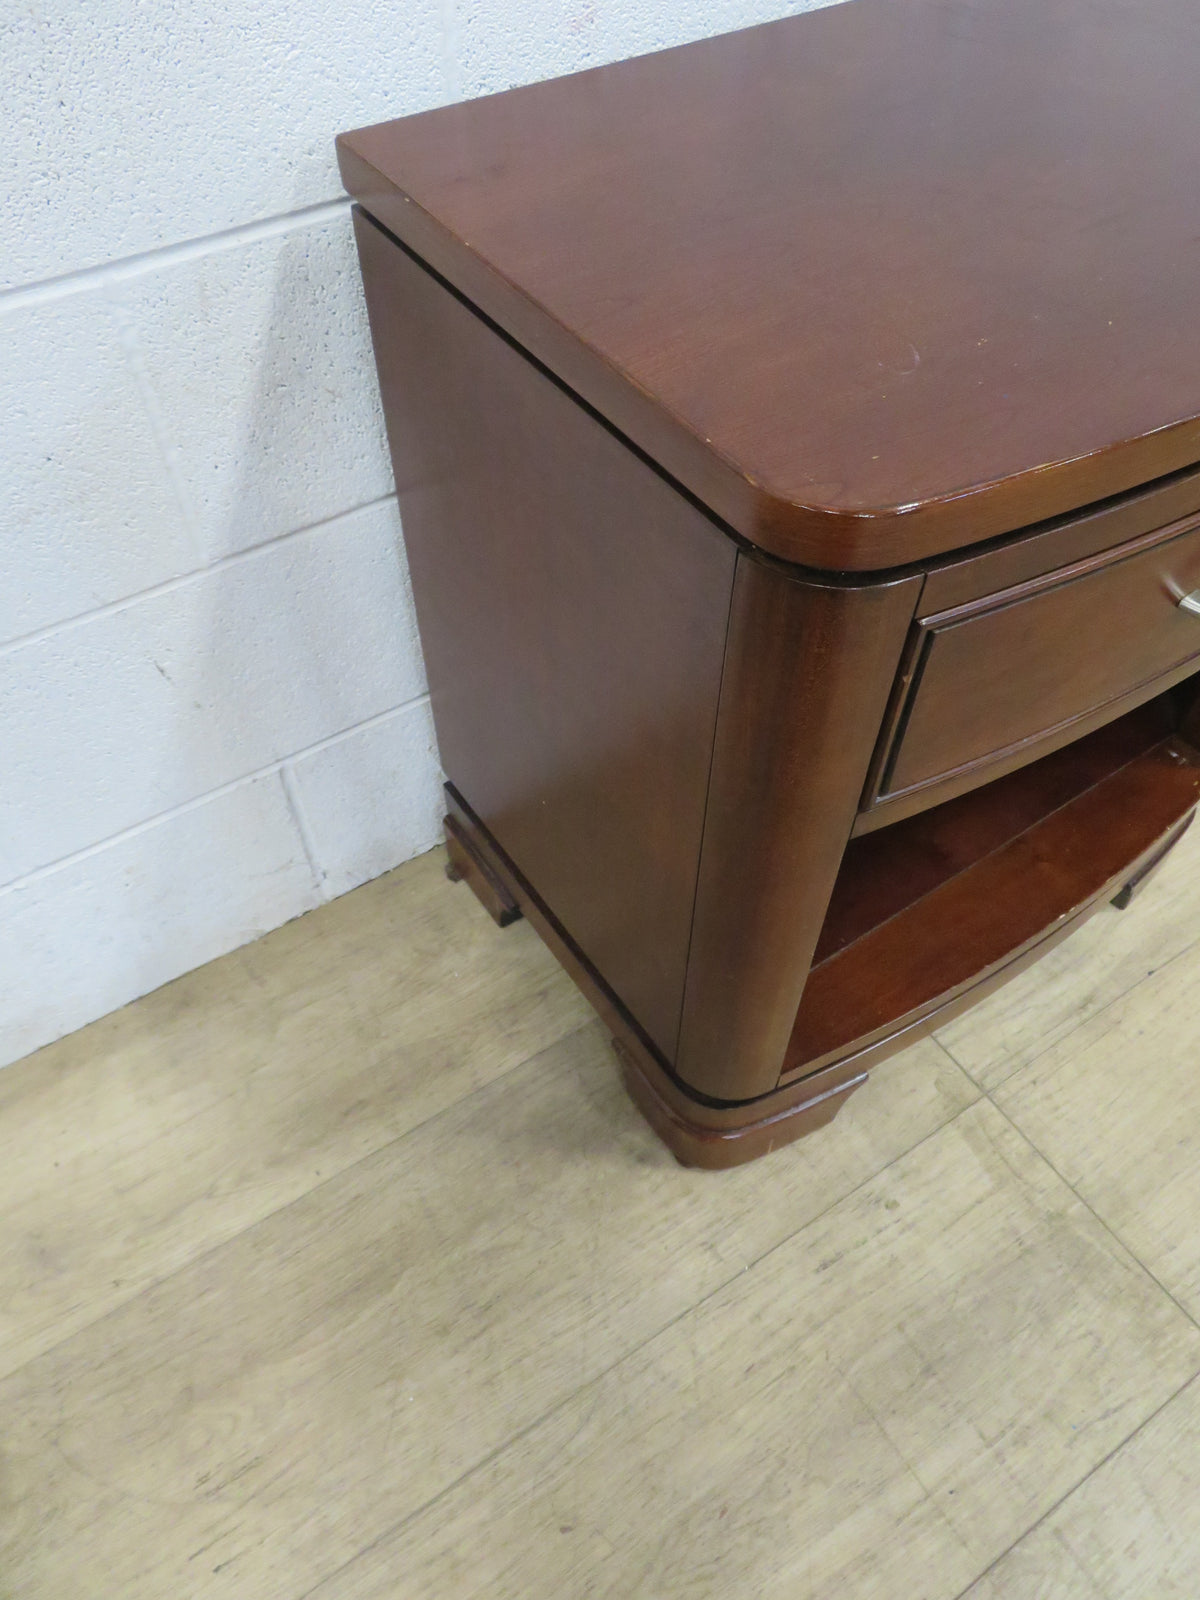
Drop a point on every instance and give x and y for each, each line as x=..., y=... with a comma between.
x=1190, y=602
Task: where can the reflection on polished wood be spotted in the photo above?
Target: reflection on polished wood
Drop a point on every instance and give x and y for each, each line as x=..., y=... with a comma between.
x=796, y=442
x=873, y=282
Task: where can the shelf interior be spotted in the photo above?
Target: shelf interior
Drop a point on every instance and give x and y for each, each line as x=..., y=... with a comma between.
x=925, y=909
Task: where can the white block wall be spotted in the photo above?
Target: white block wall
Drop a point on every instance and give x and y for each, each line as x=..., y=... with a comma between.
x=212, y=706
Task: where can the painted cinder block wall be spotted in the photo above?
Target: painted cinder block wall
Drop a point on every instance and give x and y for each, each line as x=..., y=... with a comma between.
x=212, y=706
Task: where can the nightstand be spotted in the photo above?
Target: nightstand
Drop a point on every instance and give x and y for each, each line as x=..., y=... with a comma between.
x=796, y=440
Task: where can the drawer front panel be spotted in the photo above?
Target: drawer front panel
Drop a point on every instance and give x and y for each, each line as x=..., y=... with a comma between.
x=1016, y=669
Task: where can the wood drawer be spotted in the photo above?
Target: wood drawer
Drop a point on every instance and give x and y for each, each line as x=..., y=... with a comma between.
x=1010, y=676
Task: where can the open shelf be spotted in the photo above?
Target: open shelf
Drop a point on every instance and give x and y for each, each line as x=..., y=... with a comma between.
x=926, y=910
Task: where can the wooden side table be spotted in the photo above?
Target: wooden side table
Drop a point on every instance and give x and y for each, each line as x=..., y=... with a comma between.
x=796, y=438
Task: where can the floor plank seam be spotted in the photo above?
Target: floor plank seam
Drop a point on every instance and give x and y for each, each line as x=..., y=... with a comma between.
x=1136, y=1259
x=1075, y=1487
x=1094, y=1214
x=1070, y=1032
x=278, y=1211
x=955, y=1062
x=965, y=1070
x=498, y=1450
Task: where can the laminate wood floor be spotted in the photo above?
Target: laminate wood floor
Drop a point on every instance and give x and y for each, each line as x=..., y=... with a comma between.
x=342, y=1269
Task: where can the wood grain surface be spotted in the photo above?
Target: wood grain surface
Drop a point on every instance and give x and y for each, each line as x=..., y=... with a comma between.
x=1020, y=670
x=573, y=608
x=857, y=1408
x=262, y=1074
x=1104, y=1109
x=874, y=282
x=1060, y=541
x=1107, y=958
x=1131, y=1529
x=807, y=676
x=977, y=920
x=884, y=871
x=344, y=1268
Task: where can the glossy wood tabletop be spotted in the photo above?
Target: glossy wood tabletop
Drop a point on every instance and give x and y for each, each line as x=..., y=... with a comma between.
x=875, y=282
